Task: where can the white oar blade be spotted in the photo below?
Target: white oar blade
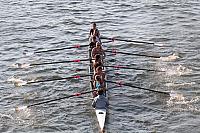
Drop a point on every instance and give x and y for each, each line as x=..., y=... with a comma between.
x=172, y=57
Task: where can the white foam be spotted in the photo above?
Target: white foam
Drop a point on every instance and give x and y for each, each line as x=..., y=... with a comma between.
x=21, y=108
x=176, y=70
x=159, y=44
x=179, y=84
x=13, y=79
x=172, y=57
x=20, y=83
x=19, y=65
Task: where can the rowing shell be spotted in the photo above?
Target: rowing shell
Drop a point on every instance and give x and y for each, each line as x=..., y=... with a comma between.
x=100, y=113
x=101, y=117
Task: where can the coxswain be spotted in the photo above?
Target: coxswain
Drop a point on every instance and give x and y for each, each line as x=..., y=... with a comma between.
x=100, y=102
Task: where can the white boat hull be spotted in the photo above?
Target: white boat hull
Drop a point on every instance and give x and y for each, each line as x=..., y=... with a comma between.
x=101, y=117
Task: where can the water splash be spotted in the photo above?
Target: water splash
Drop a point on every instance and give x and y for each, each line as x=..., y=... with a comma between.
x=172, y=57
x=179, y=84
x=13, y=79
x=5, y=116
x=23, y=115
x=176, y=70
x=159, y=44
x=178, y=102
x=17, y=81
x=21, y=108
x=20, y=83
x=19, y=65
x=26, y=52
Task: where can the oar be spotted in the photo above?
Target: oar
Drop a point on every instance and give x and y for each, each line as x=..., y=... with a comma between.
x=128, y=67
x=120, y=52
x=52, y=100
x=130, y=85
x=58, y=62
x=18, y=65
x=21, y=83
x=56, y=49
x=125, y=40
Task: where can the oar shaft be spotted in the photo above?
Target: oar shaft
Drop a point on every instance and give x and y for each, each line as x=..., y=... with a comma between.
x=129, y=85
x=127, y=67
x=125, y=40
x=58, y=62
x=62, y=78
x=119, y=52
x=57, y=49
x=57, y=99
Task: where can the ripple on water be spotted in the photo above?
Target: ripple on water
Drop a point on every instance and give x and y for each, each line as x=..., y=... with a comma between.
x=38, y=25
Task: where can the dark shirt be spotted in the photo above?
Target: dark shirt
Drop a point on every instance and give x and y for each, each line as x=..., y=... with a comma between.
x=100, y=102
x=92, y=31
x=92, y=45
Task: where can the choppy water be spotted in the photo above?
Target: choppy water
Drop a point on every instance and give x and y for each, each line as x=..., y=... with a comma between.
x=174, y=26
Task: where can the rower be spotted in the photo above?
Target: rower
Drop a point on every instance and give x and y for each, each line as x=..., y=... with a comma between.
x=94, y=32
x=98, y=82
x=98, y=50
x=100, y=102
x=99, y=71
x=97, y=62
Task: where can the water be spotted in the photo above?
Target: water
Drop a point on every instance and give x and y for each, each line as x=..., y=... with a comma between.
x=46, y=24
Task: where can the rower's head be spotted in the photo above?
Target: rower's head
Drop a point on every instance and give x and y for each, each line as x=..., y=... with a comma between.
x=99, y=69
x=94, y=25
x=98, y=44
x=98, y=78
x=100, y=92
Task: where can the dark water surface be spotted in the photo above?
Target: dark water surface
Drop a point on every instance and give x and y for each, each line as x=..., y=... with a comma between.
x=34, y=25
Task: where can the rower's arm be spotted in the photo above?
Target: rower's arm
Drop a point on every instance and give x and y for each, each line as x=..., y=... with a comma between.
x=93, y=52
x=94, y=103
x=98, y=33
x=104, y=54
